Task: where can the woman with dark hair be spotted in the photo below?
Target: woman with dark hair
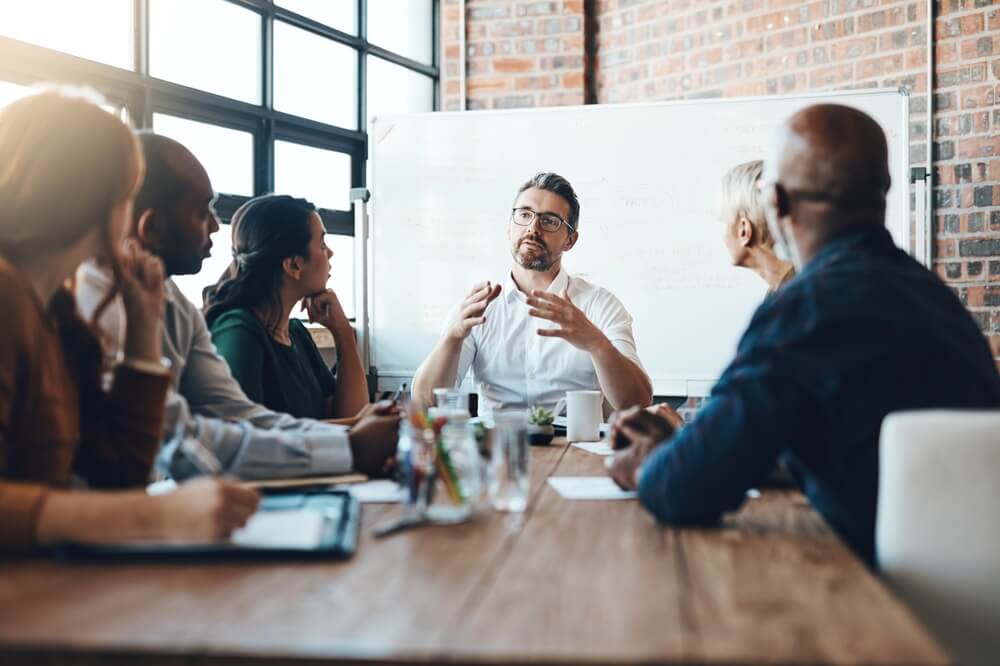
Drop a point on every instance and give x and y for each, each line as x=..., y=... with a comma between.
x=69, y=174
x=280, y=259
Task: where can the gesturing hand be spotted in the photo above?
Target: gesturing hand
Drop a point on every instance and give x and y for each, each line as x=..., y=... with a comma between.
x=473, y=309
x=324, y=308
x=574, y=327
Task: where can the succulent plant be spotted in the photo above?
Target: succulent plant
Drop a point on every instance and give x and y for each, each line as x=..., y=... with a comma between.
x=540, y=416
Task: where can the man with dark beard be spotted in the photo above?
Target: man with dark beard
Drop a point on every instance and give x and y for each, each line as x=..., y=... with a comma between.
x=542, y=332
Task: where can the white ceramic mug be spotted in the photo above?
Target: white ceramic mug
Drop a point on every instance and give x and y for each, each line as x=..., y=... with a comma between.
x=583, y=415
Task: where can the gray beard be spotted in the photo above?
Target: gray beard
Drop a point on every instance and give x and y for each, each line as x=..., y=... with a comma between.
x=540, y=263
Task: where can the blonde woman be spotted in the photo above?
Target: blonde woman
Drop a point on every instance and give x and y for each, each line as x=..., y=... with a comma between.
x=745, y=233
x=68, y=175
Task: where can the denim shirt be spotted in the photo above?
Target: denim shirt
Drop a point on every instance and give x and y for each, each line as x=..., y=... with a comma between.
x=862, y=331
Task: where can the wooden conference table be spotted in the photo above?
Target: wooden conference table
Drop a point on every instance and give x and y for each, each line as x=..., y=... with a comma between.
x=584, y=581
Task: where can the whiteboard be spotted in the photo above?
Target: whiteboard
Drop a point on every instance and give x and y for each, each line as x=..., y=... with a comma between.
x=648, y=178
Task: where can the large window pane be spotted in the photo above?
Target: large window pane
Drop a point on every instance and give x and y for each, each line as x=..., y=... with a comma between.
x=226, y=154
x=100, y=31
x=206, y=44
x=395, y=90
x=342, y=270
x=339, y=14
x=322, y=176
x=403, y=27
x=315, y=77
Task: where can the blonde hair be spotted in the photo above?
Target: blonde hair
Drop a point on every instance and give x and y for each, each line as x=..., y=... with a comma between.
x=740, y=197
x=65, y=164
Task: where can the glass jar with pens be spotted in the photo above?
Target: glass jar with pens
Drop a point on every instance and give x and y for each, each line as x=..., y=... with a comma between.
x=439, y=464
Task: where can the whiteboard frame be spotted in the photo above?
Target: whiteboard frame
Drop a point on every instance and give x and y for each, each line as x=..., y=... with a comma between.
x=690, y=387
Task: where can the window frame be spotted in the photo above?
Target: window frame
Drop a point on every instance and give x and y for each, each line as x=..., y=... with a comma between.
x=142, y=95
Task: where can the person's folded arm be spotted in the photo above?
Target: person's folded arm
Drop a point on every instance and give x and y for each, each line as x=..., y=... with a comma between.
x=755, y=412
x=120, y=439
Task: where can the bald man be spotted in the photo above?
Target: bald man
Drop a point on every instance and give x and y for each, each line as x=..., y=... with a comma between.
x=173, y=218
x=862, y=331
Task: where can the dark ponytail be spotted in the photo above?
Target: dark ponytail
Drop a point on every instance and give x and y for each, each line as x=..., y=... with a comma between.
x=266, y=231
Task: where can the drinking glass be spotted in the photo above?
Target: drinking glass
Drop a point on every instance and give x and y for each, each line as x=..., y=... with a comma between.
x=508, y=478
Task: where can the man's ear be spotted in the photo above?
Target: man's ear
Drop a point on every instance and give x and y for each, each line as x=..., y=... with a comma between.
x=571, y=241
x=745, y=232
x=147, y=229
x=292, y=267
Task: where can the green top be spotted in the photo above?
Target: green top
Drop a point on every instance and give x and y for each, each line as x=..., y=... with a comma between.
x=294, y=380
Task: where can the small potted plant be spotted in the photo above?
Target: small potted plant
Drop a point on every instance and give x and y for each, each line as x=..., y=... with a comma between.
x=540, y=430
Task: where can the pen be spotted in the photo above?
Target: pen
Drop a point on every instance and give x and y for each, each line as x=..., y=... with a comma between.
x=399, y=393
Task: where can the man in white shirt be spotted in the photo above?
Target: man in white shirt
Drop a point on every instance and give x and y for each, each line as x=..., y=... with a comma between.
x=542, y=331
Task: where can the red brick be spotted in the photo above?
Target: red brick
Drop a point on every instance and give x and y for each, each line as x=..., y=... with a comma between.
x=831, y=76
x=572, y=80
x=994, y=170
x=981, y=46
x=972, y=24
x=476, y=86
x=945, y=248
x=979, y=147
x=854, y=48
x=514, y=65
x=977, y=97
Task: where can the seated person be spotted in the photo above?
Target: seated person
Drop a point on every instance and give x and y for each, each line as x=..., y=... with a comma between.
x=746, y=236
x=280, y=259
x=542, y=331
x=70, y=173
x=173, y=219
x=863, y=330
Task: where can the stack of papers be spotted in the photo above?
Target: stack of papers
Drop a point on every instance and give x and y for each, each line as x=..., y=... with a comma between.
x=589, y=488
x=302, y=528
x=378, y=492
x=601, y=448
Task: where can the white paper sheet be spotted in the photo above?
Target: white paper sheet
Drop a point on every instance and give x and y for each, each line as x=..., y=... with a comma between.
x=601, y=448
x=589, y=488
x=377, y=492
x=299, y=528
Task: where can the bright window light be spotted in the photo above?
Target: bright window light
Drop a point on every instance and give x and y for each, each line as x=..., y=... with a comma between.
x=211, y=45
x=321, y=176
x=395, y=90
x=100, y=31
x=342, y=270
x=226, y=154
x=339, y=14
x=403, y=27
x=315, y=77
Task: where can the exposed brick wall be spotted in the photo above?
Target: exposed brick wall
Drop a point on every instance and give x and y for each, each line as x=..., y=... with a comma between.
x=518, y=54
x=967, y=156
x=674, y=49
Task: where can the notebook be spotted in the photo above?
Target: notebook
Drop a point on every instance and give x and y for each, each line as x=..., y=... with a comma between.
x=318, y=523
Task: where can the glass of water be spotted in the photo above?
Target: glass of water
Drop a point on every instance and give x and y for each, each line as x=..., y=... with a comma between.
x=508, y=477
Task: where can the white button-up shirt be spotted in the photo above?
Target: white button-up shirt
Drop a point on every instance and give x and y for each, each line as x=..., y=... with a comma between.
x=513, y=366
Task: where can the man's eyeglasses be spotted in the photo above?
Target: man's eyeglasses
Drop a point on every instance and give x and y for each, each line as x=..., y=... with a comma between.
x=525, y=217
